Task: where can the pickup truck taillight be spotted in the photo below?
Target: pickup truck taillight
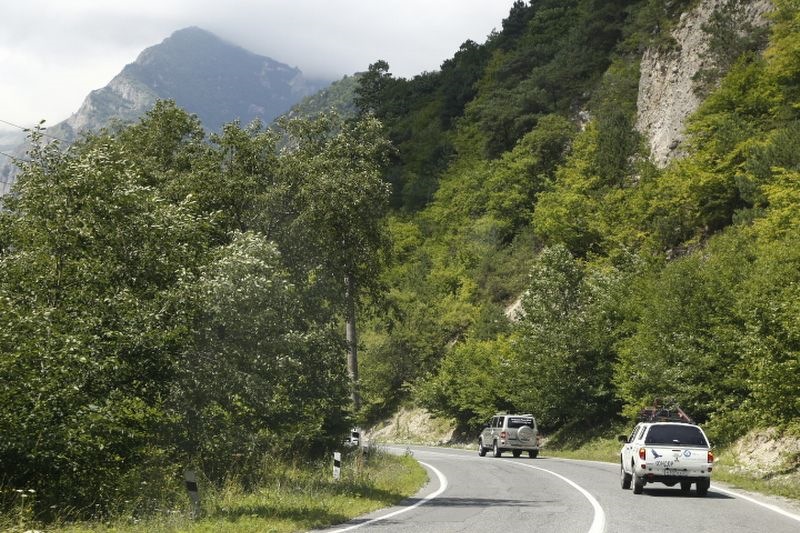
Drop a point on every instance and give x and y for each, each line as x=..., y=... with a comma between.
x=642, y=453
x=710, y=457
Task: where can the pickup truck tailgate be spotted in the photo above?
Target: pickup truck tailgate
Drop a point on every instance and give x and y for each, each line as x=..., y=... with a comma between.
x=677, y=461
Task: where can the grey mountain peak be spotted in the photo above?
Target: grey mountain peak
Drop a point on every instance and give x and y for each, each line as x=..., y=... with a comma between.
x=206, y=75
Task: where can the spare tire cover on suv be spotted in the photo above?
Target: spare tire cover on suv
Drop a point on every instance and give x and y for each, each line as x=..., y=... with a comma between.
x=525, y=433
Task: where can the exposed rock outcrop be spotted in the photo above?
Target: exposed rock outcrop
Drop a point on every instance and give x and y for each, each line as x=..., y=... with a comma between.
x=414, y=426
x=666, y=86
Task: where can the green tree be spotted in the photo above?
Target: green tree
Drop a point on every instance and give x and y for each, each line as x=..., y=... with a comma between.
x=373, y=88
x=767, y=303
x=90, y=324
x=472, y=383
x=565, y=340
x=259, y=372
x=150, y=323
x=341, y=200
x=685, y=330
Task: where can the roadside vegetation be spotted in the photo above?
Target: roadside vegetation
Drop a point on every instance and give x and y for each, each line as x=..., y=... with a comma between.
x=279, y=496
x=172, y=300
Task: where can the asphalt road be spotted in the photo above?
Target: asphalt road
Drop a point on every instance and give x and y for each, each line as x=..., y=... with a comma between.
x=469, y=493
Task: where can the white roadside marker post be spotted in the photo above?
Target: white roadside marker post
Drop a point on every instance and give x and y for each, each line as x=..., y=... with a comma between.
x=191, y=487
x=337, y=465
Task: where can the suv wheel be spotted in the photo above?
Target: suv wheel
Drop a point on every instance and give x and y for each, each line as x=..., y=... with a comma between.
x=516, y=453
x=496, y=450
x=533, y=454
x=702, y=486
x=481, y=449
x=624, y=478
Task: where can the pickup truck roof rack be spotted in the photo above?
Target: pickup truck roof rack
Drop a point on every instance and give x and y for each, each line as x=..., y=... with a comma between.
x=662, y=411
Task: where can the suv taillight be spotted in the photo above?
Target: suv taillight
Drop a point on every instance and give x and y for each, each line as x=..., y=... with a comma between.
x=642, y=453
x=504, y=434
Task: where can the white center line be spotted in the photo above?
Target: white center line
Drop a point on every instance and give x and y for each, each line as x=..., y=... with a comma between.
x=599, y=521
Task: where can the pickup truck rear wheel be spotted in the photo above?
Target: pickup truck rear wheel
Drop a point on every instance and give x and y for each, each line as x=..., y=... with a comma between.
x=702, y=486
x=686, y=486
x=624, y=478
x=638, y=484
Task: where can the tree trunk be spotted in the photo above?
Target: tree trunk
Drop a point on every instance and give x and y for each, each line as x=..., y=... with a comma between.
x=352, y=342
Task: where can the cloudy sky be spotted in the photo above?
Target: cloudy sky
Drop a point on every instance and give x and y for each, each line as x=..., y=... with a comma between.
x=54, y=52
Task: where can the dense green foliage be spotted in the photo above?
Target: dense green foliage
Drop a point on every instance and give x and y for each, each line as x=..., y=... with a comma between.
x=635, y=282
x=339, y=95
x=169, y=301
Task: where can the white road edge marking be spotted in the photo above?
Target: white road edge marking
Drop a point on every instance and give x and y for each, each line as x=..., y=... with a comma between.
x=714, y=487
x=599, y=521
x=769, y=506
x=426, y=499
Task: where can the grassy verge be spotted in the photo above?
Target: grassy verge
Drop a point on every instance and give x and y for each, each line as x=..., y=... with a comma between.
x=574, y=442
x=776, y=486
x=291, y=497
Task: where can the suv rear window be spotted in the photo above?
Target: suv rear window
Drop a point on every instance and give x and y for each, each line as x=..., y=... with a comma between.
x=518, y=422
x=675, y=435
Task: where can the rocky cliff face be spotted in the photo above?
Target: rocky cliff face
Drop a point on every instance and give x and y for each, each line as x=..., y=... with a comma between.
x=124, y=99
x=666, y=87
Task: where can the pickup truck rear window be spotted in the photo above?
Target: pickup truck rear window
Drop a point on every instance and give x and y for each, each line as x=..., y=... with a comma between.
x=685, y=435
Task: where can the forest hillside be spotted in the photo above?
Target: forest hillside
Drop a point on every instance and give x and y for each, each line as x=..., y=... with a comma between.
x=626, y=173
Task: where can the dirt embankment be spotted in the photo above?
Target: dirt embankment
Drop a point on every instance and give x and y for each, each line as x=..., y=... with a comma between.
x=767, y=454
x=415, y=426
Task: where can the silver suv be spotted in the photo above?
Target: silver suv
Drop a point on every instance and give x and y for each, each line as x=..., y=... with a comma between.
x=509, y=433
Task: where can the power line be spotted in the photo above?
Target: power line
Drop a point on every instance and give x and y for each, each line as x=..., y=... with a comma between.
x=15, y=158
x=15, y=125
x=23, y=128
x=17, y=161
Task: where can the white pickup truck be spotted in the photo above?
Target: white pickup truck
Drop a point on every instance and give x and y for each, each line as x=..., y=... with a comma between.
x=666, y=452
